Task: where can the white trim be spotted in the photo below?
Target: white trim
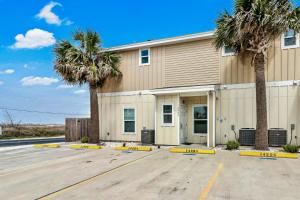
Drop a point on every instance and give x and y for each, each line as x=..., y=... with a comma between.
x=162, y=114
x=155, y=118
x=165, y=41
x=291, y=46
x=174, y=90
x=182, y=90
x=193, y=120
x=214, y=119
x=268, y=84
x=224, y=54
x=178, y=117
x=208, y=108
x=140, y=57
x=123, y=120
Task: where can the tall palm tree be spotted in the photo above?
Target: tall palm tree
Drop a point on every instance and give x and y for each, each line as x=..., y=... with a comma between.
x=250, y=30
x=85, y=62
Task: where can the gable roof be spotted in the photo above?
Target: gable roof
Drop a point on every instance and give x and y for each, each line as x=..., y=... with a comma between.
x=165, y=41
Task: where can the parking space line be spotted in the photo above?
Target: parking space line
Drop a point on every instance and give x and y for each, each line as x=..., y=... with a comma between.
x=211, y=182
x=91, y=179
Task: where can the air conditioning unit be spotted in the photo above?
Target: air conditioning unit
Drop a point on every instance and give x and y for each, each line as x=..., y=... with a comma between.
x=148, y=136
x=247, y=136
x=277, y=137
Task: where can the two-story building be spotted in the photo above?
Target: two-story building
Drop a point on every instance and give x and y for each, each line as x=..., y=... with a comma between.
x=189, y=92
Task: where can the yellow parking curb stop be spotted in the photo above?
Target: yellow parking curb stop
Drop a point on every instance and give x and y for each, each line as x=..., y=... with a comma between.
x=196, y=151
x=47, y=145
x=268, y=154
x=81, y=146
x=133, y=148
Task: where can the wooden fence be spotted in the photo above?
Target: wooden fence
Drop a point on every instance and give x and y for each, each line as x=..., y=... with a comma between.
x=76, y=128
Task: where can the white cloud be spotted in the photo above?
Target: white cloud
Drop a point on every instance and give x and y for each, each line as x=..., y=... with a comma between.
x=36, y=80
x=47, y=14
x=68, y=22
x=34, y=38
x=7, y=71
x=64, y=86
x=79, y=91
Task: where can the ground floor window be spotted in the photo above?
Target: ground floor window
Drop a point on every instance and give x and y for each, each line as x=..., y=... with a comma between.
x=167, y=114
x=200, y=119
x=129, y=120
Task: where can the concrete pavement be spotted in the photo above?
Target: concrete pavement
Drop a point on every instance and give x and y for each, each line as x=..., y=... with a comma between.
x=108, y=174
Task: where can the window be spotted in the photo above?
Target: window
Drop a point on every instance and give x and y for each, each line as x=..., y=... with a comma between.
x=290, y=39
x=129, y=120
x=228, y=51
x=144, y=56
x=167, y=115
x=200, y=119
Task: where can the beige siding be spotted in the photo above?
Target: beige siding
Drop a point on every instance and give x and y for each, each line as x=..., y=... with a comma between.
x=137, y=77
x=237, y=107
x=186, y=64
x=193, y=63
x=168, y=135
x=281, y=65
x=111, y=116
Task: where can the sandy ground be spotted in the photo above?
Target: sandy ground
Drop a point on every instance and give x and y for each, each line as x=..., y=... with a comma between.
x=63, y=173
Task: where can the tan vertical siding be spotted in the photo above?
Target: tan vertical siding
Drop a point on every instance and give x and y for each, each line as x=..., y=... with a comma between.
x=111, y=116
x=237, y=107
x=168, y=135
x=281, y=65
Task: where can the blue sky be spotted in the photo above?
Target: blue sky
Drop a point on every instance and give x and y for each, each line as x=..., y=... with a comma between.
x=31, y=27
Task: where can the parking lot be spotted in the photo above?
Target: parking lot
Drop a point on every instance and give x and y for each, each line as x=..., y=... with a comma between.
x=64, y=173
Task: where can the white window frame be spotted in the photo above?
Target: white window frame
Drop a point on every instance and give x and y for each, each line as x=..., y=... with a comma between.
x=162, y=114
x=291, y=46
x=193, y=119
x=227, y=54
x=140, y=57
x=123, y=120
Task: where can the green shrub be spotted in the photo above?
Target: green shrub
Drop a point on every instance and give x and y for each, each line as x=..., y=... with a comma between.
x=230, y=145
x=291, y=148
x=84, y=139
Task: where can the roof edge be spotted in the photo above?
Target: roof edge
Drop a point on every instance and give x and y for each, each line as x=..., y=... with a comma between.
x=165, y=41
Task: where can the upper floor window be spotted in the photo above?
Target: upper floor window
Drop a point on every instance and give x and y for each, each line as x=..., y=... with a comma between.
x=228, y=51
x=290, y=39
x=144, y=56
x=167, y=115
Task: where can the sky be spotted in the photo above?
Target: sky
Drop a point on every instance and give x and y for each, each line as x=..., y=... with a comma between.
x=30, y=28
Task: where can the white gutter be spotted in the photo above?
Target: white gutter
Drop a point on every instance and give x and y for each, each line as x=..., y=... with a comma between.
x=181, y=90
x=166, y=41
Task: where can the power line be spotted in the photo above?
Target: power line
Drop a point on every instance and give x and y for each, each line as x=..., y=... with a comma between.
x=42, y=112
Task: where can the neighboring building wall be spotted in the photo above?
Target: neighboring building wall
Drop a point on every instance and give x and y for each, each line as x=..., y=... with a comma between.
x=238, y=107
x=190, y=101
x=168, y=135
x=281, y=65
x=111, y=116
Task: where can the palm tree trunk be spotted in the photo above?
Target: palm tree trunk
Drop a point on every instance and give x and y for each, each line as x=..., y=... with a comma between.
x=261, y=139
x=94, y=127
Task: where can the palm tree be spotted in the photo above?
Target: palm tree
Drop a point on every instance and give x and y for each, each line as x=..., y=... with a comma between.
x=250, y=30
x=85, y=62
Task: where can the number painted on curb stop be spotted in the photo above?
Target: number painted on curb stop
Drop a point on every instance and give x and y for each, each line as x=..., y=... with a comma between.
x=268, y=154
